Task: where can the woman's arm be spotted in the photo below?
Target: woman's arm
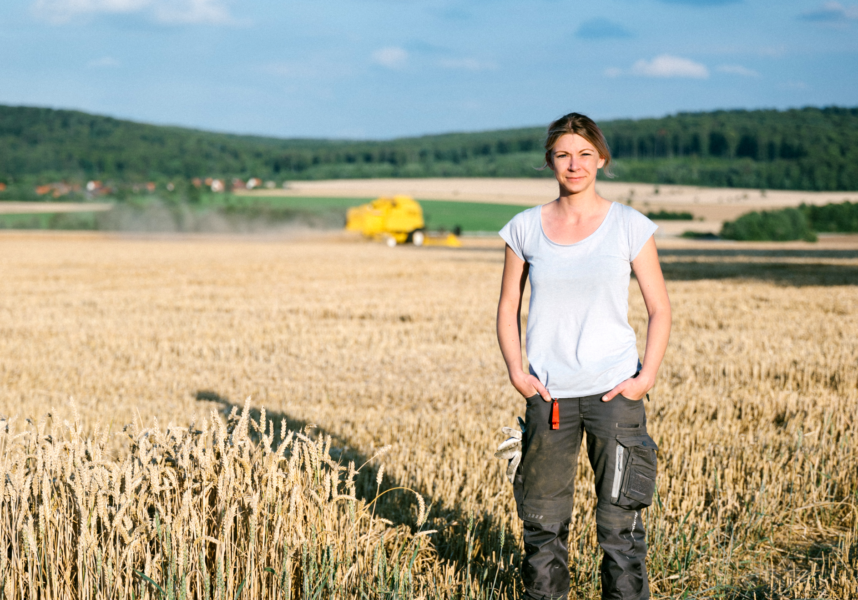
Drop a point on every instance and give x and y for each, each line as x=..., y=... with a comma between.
x=509, y=326
x=651, y=281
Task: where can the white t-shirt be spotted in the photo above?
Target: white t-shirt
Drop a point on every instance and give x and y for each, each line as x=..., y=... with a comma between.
x=579, y=341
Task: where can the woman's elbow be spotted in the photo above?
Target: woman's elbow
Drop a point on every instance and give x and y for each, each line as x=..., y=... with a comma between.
x=508, y=305
x=506, y=312
x=661, y=311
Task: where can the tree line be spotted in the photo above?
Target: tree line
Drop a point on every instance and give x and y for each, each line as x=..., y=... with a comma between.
x=785, y=224
x=807, y=149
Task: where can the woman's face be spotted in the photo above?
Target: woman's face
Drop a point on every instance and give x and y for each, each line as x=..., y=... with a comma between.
x=575, y=162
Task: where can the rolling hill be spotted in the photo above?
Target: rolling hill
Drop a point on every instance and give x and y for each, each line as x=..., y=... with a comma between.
x=807, y=149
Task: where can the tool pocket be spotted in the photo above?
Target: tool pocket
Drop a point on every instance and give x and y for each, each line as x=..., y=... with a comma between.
x=634, y=473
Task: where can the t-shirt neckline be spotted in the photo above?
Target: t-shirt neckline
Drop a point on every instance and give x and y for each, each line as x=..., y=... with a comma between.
x=545, y=235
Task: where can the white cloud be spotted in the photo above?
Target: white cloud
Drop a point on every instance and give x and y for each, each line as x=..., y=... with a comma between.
x=60, y=11
x=737, y=70
x=392, y=57
x=211, y=12
x=168, y=12
x=663, y=65
x=468, y=64
x=105, y=62
x=832, y=13
x=666, y=65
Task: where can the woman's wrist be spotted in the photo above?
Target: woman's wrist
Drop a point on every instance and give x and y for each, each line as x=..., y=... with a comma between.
x=517, y=376
x=646, y=378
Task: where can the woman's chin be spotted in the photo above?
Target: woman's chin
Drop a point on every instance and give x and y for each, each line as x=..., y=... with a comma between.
x=576, y=187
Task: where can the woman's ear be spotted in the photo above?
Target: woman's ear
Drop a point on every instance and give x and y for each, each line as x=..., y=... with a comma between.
x=549, y=159
x=601, y=163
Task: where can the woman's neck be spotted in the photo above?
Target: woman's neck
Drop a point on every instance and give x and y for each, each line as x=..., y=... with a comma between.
x=587, y=201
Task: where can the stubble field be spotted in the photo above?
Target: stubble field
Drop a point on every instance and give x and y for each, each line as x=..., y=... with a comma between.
x=388, y=357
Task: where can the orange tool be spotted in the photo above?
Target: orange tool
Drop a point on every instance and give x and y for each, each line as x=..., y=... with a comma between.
x=555, y=415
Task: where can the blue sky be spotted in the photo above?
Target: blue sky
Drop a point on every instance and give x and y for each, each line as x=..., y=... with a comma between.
x=387, y=68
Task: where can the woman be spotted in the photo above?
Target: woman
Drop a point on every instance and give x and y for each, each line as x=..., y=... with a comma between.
x=584, y=373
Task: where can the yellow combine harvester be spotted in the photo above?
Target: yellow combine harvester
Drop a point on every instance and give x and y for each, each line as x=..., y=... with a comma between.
x=396, y=220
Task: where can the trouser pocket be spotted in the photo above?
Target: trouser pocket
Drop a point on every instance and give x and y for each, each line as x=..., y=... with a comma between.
x=634, y=472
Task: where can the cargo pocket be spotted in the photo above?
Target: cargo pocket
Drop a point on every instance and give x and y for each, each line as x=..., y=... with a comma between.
x=634, y=473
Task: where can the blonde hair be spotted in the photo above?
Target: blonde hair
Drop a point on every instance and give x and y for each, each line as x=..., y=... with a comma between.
x=583, y=126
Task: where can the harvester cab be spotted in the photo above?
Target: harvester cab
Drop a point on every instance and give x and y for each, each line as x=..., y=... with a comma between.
x=396, y=220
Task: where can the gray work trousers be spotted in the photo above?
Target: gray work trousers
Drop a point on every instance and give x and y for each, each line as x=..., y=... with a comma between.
x=623, y=457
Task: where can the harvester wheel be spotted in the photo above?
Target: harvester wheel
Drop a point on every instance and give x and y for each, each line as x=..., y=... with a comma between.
x=390, y=241
x=417, y=238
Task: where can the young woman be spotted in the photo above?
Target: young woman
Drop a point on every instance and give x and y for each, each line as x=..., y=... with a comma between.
x=584, y=375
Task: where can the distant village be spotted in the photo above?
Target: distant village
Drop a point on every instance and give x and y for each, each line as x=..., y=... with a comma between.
x=218, y=185
x=95, y=188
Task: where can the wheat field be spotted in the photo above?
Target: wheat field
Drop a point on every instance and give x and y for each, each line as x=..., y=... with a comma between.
x=315, y=417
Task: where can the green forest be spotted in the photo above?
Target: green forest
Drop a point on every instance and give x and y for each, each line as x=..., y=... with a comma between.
x=806, y=149
x=785, y=224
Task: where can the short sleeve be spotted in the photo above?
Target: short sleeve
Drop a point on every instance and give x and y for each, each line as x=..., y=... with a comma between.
x=513, y=233
x=639, y=229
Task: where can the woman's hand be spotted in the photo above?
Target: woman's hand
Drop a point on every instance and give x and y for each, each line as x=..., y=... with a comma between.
x=633, y=388
x=528, y=385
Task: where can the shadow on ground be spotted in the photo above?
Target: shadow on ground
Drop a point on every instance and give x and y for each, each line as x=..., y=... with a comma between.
x=695, y=264
x=781, y=273
x=400, y=506
x=692, y=264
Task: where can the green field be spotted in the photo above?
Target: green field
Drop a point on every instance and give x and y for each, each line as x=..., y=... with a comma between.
x=470, y=216
x=439, y=214
x=245, y=214
x=291, y=203
x=85, y=221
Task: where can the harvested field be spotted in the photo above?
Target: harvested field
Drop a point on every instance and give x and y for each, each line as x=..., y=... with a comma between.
x=755, y=414
x=14, y=208
x=712, y=204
